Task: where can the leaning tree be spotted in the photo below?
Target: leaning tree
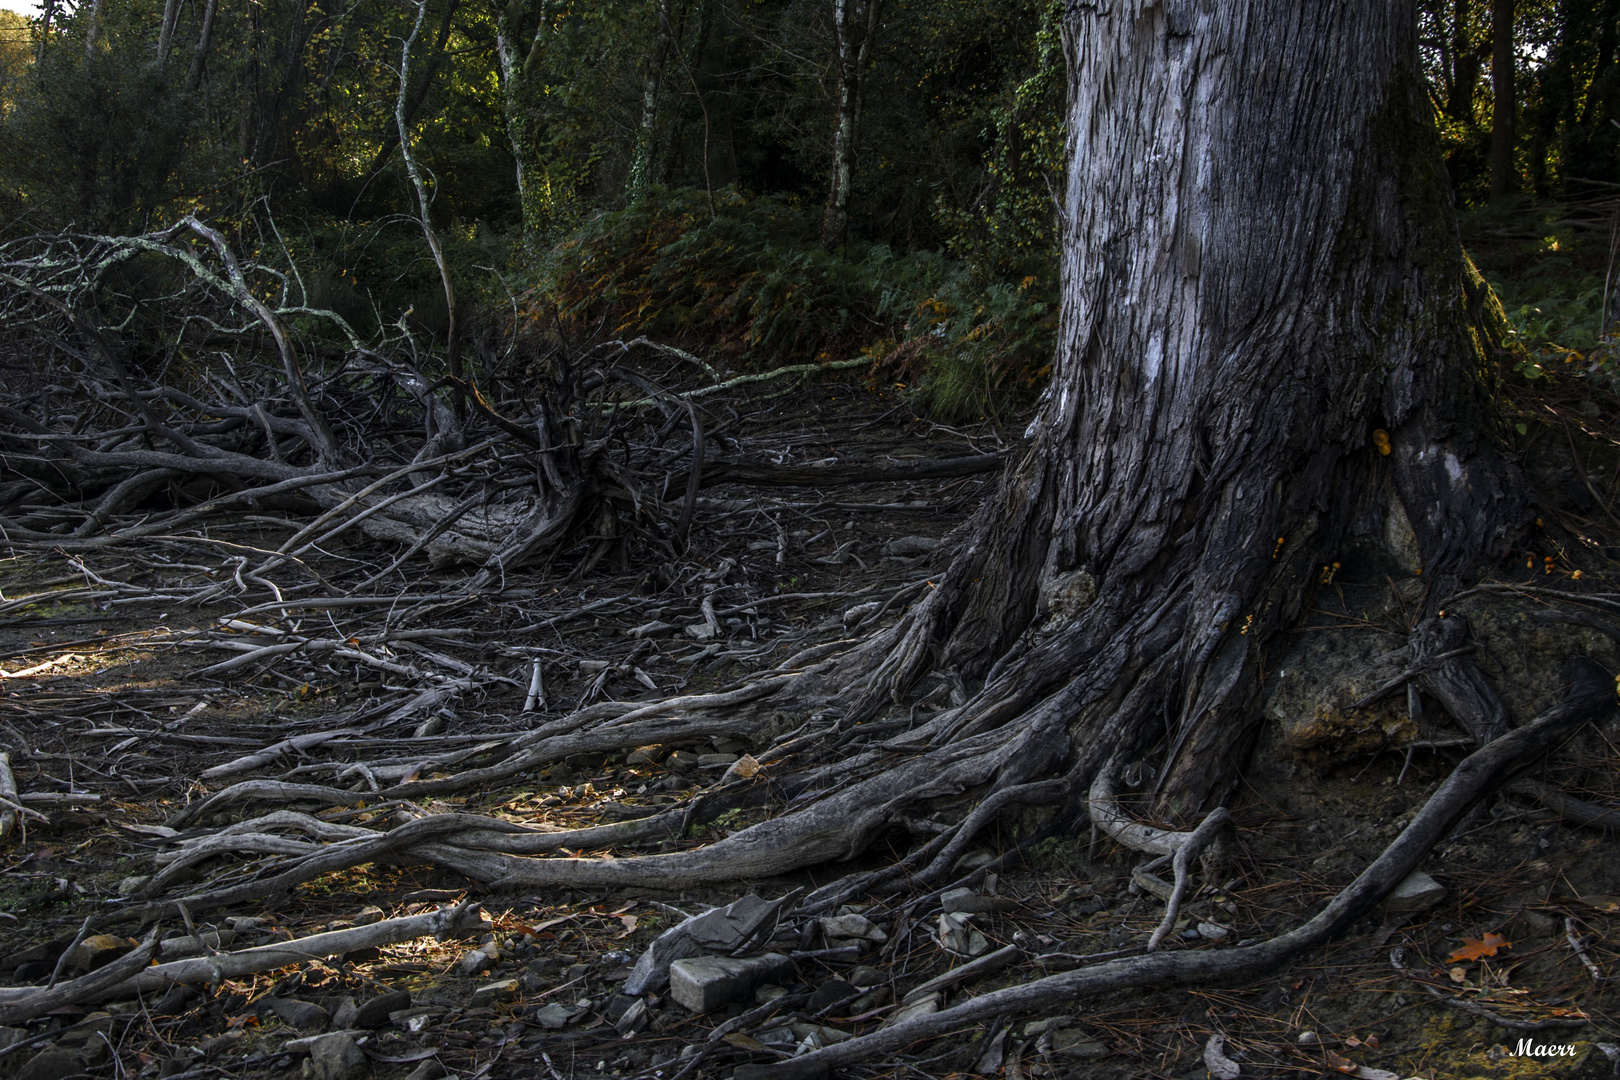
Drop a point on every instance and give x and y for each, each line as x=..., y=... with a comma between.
x=1271, y=343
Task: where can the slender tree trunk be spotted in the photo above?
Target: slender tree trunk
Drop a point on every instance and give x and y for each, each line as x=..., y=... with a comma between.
x=419, y=92
x=1465, y=65
x=93, y=29
x=47, y=13
x=855, y=25
x=205, y=38
x=1505, y=108
x=171, y=12
x=652, y=78
x=424, y=205
x=518, y=72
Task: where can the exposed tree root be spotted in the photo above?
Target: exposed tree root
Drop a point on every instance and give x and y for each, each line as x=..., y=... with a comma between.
x=1591, y=696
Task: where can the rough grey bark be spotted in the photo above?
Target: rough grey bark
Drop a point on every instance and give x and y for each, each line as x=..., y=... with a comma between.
x=1505, y=98
x=1261, y=276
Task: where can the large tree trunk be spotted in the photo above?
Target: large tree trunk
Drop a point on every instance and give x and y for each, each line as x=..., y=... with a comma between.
x=1270, y=337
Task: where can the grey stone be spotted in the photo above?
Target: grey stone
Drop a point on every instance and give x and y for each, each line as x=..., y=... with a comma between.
x=300, y=1014
x=682, y=761
x=336, y=1057
x=617, y=1006
x=634, y=1019
x=966, y=900
x=375, y=1013
x=131, y=885
x=10, y=1035
x=958, y=935
x=705, y=983
x=97, y=950
x=1071, y=1042
x=492, y=992
x=858, y=927
x=865, y=976
x=369, y=914
x=1416, y=892
x=652, y=629
x=923, y=1006
x=428, y=1070
x=343, y=1016
x=646, y=755
x=304, y=1044
x=720, y=929
x=716, y=759
x=830, y=993
x=473, y=962
x=552, y=1016
x=910, y=546
x=52, y=1064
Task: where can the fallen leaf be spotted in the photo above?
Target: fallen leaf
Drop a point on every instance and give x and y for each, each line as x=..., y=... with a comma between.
x=1475, y=948
x=629, y=922
x=745, y=766
x=1458, y=975
x=747, y=1042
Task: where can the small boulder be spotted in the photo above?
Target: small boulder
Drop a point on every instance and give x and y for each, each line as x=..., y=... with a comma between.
x=336, y=1057
x=375, y=1013
x=1416, y=892
x=52, y=1064
x=97, y=951
x=300, y=1014
x=367, y=915
x=428, y=1070
x=473, y=962
x=831, y=993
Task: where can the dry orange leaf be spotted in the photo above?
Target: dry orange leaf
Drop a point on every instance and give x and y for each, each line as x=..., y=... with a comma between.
x=1475, y=948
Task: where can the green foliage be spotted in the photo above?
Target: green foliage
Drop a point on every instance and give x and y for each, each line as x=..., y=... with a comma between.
x=748, y=283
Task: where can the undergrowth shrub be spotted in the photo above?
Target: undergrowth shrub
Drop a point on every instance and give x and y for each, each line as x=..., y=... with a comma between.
x=745, y=281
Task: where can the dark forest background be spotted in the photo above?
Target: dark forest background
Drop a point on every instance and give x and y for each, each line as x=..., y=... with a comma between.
x=757, y=180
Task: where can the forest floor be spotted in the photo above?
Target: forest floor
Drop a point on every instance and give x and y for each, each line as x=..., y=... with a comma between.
x=111, y=729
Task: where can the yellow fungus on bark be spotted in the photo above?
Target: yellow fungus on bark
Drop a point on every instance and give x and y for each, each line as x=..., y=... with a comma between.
x=1380, y=439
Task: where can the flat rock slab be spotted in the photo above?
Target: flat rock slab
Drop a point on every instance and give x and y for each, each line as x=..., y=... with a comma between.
x=492, y=992
x=720, y=930
x=705, y=983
